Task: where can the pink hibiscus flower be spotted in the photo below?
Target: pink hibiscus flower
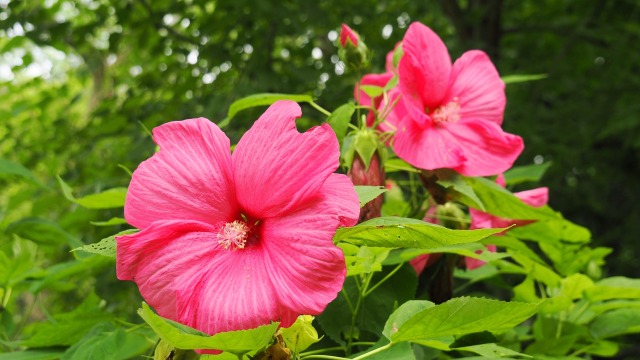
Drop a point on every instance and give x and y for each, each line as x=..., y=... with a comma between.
x=347, y=35
x=449, y=116
x=234, y=241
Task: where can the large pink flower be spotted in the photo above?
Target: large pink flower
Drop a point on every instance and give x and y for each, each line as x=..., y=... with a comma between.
x=234, y=241
x=449, y=116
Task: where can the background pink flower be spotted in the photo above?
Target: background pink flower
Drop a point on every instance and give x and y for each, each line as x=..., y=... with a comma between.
x=234, y=241
x=482, y=220
x=452, y=113
x=347, y=35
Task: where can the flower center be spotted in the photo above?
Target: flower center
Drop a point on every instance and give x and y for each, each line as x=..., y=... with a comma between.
x=450, y=112
x=233, y=235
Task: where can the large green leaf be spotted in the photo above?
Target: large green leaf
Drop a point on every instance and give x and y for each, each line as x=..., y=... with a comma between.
x=48, y=354
x=106, y=342
x=617, y=287
x=520, y=174
x=460, y=316
x=616, y=322
x=403, y=232
x=182, y=337
x=108, y=199
x=260, y=100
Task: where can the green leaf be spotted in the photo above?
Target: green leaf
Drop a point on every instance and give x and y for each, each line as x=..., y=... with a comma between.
x=10, y=168
x=396, y=164
x=403, y=232
x=404, y=313
x=512, y=79
x=42, y=231
x=106, y=246
x=460, y=191
x=32, y=355
x=260, y=100
x=462, y=316
x=617, y=287
x=68, y=328
x=237, y=342
x=340, y=119
x=521, y=174
x=492, y=351
x=616, y=322
x=110, y=222
x=363, y=259
x=472, y=250
x=368, y=193
x=108, y=199
x=105, y=342
x=301, y=334
x=371, y=90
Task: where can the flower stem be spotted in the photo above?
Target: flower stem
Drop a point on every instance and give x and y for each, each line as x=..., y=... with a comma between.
x=390, y=274
x=319, y=108
x=374, y=351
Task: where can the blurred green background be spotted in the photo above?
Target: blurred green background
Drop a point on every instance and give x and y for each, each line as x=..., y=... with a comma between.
x=82, y=81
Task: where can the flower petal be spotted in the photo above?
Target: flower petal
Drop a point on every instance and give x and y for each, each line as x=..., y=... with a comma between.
x=156, y=256
x=427, y=146
x=534, y=197
x=476, y=84
x=232, y=291
x=488, y=150
x=276, y=168
x=307, y=268
x=424, y=68
x=189, y=178
x=472, y=263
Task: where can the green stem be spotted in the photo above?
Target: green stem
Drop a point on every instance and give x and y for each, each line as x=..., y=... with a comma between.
x=320, y=351
x=383, y=279
x=7, y=295
x=374, y=351
x=346, y=297
x=325, y=357
x=319, y=108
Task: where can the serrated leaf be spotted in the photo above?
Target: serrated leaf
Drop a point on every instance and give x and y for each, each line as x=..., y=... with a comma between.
x=521, y=174
x=340, y=119
x=363, y=259
x=368, y=193
x=106, y=246
x=236, y=342
x=404, y=313
x=403, y=232
x=260, y=100
x=471, y=250
x=462, y=316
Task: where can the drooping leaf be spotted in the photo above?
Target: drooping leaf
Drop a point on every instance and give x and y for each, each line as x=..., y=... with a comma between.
x=512, y=79
x=42, y=231
x=182, y=337
x=10, y=168
x=403, y=232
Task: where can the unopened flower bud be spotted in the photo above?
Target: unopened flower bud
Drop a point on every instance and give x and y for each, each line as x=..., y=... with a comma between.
x=353, y=51
x=371, y=175
x=452, y=216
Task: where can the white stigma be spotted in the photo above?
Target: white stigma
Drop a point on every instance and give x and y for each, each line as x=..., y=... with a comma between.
x=233, y=235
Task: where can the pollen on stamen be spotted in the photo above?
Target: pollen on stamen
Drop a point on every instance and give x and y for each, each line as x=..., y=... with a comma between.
x=450, y=112
x=233, y=235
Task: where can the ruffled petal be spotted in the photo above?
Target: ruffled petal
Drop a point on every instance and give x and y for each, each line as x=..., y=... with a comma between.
x=488, y=150
x=425, y=67
x=427, y=146
x=307, y=268
x=189, y=178
x=534, y=197
x=276, y=168
x=156, y=256
x=476, y=84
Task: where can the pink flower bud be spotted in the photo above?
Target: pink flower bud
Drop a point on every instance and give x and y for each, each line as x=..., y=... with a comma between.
x=348, y=35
